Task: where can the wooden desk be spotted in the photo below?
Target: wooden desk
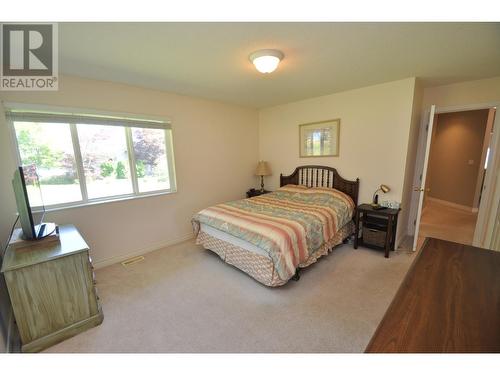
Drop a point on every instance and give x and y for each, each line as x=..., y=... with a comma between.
x=448, y=302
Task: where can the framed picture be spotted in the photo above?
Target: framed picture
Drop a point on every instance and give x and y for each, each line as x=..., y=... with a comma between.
x=319, y=138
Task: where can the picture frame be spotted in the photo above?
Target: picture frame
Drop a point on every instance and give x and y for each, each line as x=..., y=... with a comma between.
x=319, y=139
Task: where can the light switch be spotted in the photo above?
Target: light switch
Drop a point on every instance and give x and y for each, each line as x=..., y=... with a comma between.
x=471, y=161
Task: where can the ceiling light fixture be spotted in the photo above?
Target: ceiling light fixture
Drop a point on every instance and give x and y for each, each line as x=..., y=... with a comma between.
x=266, y=60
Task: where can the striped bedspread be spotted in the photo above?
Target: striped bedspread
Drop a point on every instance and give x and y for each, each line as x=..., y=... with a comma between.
x=290, y=224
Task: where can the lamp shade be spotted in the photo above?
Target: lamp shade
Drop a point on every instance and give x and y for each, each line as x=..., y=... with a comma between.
x=385, y=188
x=263, y=169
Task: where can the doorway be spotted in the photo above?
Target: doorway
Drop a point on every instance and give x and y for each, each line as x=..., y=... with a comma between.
x=456, y=168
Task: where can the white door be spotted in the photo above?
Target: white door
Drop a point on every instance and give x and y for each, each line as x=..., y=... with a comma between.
x=421, y=189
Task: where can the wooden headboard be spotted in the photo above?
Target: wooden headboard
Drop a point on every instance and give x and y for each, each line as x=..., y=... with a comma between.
x=317, y=175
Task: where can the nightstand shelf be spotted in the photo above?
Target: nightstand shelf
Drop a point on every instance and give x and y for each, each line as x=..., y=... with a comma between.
x=378, y=228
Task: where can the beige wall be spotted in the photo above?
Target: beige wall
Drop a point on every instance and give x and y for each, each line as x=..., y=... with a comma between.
x=457, y=139
x=374, y=135
x=482, y=91
x=216, y=150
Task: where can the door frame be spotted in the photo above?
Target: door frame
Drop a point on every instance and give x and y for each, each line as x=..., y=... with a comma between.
x=420, y=190
x=491, y=190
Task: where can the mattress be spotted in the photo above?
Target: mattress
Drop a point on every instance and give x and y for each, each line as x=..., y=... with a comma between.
x=216, y=233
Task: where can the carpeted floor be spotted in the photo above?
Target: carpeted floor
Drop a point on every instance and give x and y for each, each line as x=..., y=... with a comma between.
x=446, y=223
x=185, y=299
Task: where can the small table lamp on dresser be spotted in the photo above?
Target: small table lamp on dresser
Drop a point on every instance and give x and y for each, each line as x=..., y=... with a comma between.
x=262, y=170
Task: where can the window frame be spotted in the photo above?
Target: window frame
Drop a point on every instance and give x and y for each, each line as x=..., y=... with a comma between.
x=98, y=118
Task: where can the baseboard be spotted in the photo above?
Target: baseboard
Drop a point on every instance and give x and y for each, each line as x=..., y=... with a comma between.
x=406, y=242
x=120, y=258
x=452, y=204
x=400, y=240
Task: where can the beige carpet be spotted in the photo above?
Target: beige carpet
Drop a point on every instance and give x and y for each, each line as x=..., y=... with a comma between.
x=185, y=299
x=446, y=223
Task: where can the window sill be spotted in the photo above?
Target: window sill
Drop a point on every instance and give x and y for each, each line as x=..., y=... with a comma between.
x=103, y=201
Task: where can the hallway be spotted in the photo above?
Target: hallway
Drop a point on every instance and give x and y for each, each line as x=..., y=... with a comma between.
x=446, y=223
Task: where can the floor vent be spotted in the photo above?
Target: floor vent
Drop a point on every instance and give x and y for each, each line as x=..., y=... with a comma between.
x=133, y=260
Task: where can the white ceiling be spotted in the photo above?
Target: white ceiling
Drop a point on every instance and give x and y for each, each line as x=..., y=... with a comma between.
x=210, y=60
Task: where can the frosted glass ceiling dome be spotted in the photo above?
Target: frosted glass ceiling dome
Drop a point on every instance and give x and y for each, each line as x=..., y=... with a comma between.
x=266, y=60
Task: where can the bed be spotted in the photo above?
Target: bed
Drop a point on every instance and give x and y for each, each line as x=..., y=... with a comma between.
x=272, y=236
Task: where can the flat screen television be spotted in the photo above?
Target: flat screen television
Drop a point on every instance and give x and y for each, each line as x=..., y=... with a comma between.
x=32, y=230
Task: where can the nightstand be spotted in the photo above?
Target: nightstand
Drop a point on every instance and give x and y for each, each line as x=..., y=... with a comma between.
x=378, y=228
x=256, y=192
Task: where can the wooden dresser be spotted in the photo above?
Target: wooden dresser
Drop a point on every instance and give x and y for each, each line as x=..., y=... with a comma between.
x=448, y=302
x=52, y=290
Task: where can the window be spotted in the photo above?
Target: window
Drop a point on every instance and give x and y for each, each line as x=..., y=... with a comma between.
x=83, y=159
x=48, y=146
x=105, y=160
x=150, y=159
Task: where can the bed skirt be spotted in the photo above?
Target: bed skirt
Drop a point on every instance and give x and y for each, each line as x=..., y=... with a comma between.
x=261, y=267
